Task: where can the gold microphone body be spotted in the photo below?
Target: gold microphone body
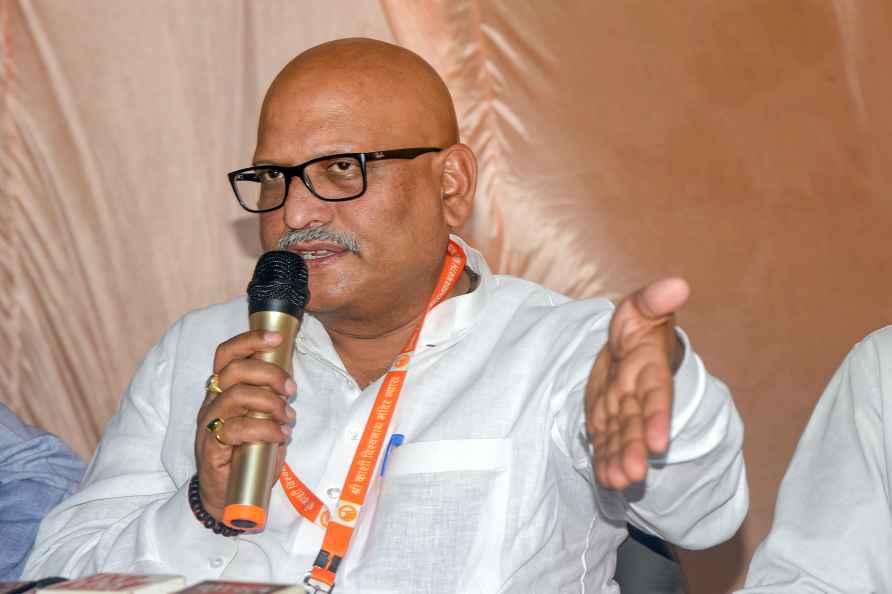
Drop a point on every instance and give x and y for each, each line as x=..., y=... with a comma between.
x=253, y=467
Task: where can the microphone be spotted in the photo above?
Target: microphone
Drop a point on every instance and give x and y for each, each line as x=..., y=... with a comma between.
x=277, y=295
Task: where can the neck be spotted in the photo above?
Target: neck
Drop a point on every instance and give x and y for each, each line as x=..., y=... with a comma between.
x=367, y=346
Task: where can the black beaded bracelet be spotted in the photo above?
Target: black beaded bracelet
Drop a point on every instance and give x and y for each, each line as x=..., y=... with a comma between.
x=202, y=514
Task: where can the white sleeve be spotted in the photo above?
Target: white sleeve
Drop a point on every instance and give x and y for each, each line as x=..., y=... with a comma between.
x=832, y=530
x=696, y=494
x=129, y=515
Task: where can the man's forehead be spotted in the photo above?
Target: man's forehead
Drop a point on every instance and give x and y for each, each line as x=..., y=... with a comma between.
x=308, y=93
x=291, y=149
x=304, y=126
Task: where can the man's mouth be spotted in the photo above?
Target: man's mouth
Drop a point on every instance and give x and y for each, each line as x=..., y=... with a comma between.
x=316, y=254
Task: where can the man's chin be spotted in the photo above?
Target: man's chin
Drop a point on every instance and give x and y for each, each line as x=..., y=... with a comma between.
x=322, y=305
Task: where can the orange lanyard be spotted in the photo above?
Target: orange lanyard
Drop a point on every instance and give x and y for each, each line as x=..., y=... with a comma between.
x=339, y=528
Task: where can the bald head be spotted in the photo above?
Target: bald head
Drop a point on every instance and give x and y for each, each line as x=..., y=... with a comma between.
x=365, y=96
x=365, y=78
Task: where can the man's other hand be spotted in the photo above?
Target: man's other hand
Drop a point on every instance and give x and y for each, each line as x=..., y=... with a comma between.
x=248, y=385
x=630, y=389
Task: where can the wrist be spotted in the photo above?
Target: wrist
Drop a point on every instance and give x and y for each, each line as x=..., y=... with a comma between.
x=204, y=515
x=213, y=509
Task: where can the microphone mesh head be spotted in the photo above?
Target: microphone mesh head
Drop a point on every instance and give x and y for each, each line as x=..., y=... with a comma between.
x=279, y=284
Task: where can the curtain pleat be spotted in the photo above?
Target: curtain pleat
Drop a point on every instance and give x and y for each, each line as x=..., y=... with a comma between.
x=119, y=123
x=746, y=146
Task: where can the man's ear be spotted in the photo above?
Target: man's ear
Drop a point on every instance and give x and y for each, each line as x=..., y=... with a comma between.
x=458, y=182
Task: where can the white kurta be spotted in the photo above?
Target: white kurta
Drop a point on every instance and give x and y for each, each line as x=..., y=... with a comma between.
x=492, y=490
x=832, y=531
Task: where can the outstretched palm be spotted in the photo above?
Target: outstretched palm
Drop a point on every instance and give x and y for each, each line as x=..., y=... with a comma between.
x=630, y=390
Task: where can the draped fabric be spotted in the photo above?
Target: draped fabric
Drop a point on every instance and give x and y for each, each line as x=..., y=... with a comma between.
x=120, y=123
x=745, y=145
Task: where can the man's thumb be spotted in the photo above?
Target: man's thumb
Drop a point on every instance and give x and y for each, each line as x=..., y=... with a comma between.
x=663, y=297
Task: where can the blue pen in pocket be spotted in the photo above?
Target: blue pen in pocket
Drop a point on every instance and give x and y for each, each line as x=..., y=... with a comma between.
x=396, y=440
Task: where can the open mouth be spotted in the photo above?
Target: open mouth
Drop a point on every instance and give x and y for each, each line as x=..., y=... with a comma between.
x=316, y=254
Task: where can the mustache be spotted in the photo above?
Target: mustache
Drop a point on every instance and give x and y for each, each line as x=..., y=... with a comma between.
x=344, y=239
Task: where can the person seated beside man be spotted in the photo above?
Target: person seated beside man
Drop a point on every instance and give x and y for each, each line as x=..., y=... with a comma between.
x=832, y=530
x=523, y=419
x=37, y=471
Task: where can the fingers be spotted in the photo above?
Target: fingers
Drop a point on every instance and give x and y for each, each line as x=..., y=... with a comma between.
x=213, y=451
x=261, y=387
x=252, y=390
x=622, y=450
x=250, y=414
x=656, y=387
x=620, y=454
x=244, y=346
x=238, y=430
x=629, y=400
x=628, y=413
x=253, y=407
x=255, y=372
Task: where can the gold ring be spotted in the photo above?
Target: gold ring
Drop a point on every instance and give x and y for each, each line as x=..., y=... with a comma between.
x=212, y=386
x=214, y=428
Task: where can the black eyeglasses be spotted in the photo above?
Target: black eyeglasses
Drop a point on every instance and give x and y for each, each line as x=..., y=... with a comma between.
x=334, y=178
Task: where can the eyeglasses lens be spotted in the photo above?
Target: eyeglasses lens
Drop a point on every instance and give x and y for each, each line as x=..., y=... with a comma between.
x=336, y=178
x=260, y=189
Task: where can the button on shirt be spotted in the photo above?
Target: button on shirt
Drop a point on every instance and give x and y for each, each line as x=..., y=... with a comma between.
x=492, y=489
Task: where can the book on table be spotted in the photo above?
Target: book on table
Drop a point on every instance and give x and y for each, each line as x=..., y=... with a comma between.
x=122, y=583
x=22, y=586
x=119, y=583
x=227, y=587
x=13, y=587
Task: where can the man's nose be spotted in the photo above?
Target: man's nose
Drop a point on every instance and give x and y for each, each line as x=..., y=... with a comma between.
x=303, y=209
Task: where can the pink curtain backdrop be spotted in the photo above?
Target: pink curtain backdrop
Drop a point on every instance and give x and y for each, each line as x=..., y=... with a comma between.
x=121, y=120
x=745, y=145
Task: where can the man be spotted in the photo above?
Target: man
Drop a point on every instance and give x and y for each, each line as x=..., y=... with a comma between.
x=832, y=531
x=37, y=470
x=489, y=483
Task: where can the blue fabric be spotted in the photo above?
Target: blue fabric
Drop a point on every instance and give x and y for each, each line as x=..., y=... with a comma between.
x=37, y=470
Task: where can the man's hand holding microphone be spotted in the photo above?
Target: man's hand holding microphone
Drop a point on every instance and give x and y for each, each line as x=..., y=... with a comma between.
x=245, y=421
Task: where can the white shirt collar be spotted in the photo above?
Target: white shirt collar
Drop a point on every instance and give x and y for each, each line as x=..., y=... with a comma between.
x=455, y=315
x=445, y=322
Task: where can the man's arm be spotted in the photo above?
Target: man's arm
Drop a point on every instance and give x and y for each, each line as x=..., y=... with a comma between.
x=832, y=530
x=37, y=470
x=662, y=428
x=131, y=514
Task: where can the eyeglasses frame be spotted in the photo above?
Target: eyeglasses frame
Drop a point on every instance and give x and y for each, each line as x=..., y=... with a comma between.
x=290, y=172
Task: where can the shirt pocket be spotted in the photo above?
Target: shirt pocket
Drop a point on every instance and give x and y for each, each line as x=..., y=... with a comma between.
x=439, y=519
